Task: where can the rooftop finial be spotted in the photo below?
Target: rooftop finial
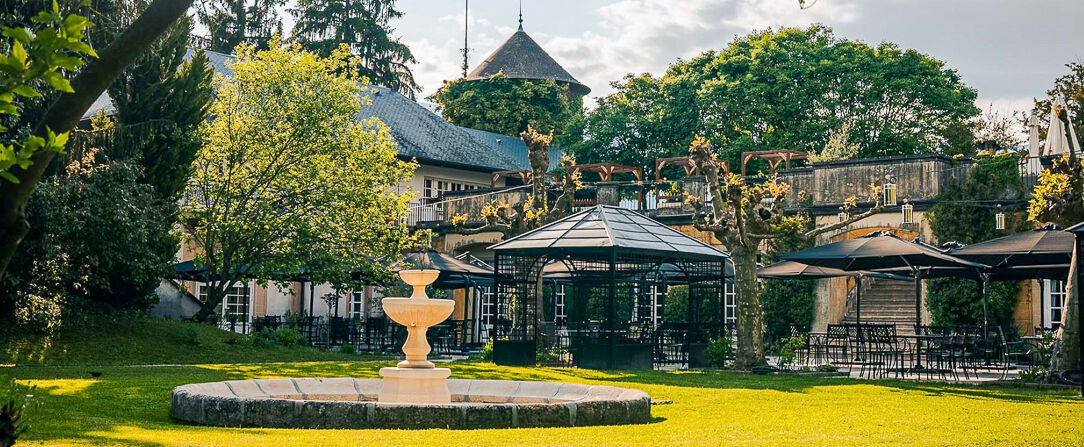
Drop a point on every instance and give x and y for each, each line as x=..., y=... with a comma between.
x=521, y=15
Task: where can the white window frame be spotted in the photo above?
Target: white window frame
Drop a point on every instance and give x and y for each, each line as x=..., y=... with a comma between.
x=559, y=311
x=356, y=307
x=433, y=187
x=228, y=302
x=730, y=302
x=1053, y=293
x=489, y=308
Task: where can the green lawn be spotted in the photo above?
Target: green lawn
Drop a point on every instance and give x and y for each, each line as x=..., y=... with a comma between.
x=129, y=406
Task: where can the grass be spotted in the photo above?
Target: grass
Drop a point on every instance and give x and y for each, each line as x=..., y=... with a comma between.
x=129, y=406
x=130, y=339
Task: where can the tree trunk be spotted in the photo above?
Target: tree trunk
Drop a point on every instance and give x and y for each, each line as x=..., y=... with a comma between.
x=64, y=114
x=750, y=326
x=214, y=298
x=1066, y=355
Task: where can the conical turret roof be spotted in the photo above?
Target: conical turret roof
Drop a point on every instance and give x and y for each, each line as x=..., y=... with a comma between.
x=520, y=57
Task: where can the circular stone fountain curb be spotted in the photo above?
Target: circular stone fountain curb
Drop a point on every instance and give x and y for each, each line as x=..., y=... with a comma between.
x=351, y=403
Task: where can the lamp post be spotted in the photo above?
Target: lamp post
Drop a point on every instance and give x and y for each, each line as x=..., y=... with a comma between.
x=999, y=219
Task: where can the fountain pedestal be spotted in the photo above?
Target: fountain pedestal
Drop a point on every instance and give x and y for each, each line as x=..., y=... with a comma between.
x=416, y=380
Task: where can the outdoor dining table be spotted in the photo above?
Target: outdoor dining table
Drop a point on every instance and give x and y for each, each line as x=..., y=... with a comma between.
x=918, y=339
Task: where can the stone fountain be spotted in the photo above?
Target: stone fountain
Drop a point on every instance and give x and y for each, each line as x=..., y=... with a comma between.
x=416, y=379
x=412, y=395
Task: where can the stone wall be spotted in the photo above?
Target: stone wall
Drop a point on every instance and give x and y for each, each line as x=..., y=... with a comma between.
x=919, y=178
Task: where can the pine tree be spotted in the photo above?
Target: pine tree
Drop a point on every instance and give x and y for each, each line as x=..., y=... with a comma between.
x=233, y=22
x=322, y=25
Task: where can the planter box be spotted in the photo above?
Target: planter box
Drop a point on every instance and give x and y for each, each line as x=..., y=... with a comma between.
x=514, y=353
x=625, y=356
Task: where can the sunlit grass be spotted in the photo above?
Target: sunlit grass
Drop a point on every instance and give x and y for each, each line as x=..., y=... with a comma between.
x=129, y=406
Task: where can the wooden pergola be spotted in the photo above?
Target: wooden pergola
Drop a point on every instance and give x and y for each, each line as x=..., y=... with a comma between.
x=685, y=163
x=606, y=171
x=773, y=157
x=526, y=176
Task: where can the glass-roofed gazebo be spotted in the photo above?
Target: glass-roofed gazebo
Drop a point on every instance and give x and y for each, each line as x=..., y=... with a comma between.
x=619, y=269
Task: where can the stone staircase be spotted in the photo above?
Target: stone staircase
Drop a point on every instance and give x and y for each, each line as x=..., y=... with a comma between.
x=885, y=301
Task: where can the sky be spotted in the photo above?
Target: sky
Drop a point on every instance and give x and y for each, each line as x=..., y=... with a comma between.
x=1009, y=50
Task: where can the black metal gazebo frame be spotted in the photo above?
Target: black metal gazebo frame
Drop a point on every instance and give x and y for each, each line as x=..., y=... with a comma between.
x=612, y=259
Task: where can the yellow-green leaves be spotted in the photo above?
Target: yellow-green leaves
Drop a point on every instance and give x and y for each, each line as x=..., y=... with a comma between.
x=37, y=55
x=288, y=178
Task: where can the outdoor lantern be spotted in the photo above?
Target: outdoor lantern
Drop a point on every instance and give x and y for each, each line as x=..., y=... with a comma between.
x=908, y=212
x=890, y=194
x=842, y=215
x=999, y=219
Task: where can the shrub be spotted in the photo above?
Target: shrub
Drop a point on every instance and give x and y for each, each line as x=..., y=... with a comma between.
x=788, y=351
x=189, y=335
x=721, y=351
x=13, y=406
x=348, y=349
x=487, y=351
x=278, y=337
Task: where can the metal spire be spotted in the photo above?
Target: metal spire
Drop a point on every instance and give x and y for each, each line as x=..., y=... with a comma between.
x=521, y=15
x=466, y=26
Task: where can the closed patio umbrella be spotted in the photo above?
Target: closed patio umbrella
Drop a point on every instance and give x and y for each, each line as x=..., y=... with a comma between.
x=879, y=251
x=1057, y=142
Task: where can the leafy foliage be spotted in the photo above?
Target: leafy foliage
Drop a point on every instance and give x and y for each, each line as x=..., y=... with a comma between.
x=96, y=234
x=13, y=406
x=506, y=106
x=721, y=351
x=35, y=59
x=285, y=336
x=170, y=97
x=1059, y=195
x=288, y=178
x=788, y=88
x=641, y=121
x=363, y=26
x=230, y=23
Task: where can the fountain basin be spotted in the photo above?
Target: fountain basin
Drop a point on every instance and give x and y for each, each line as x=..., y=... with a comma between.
x=417, y=312
x=346, y=403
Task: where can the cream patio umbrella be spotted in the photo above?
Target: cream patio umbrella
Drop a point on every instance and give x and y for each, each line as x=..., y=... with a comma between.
x=1056, y=141
x=1034, y=165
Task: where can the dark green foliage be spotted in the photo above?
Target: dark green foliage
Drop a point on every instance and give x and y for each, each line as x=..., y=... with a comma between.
x=161, y=101
x=965, y=213
x=232, y=22
x=641, y=121
x=789, y=88
x=363, y=26
x=958, y=302
x=288, y=337
x=721, y=351
x=786, y=303
x=13, y=404
x=96, y=236
x=506, y=106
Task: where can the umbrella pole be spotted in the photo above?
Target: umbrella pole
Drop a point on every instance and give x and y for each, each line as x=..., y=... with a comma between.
x=985, y=320
x=858, y=313
x=918, y=318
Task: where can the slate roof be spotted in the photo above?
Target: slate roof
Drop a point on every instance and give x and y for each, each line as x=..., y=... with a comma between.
x=604, y=228
x=426, y=136
x=520, y=57
x=418, y=132
x=512, y=147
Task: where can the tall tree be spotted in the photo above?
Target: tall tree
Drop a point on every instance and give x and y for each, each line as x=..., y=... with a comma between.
x=288, y=178
x=230, y=23
x=169, y=97
x=744, y=217
x=364, y=27
x=636, y=124
x=65, y=113
x=788, y=89
x=507, y=106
